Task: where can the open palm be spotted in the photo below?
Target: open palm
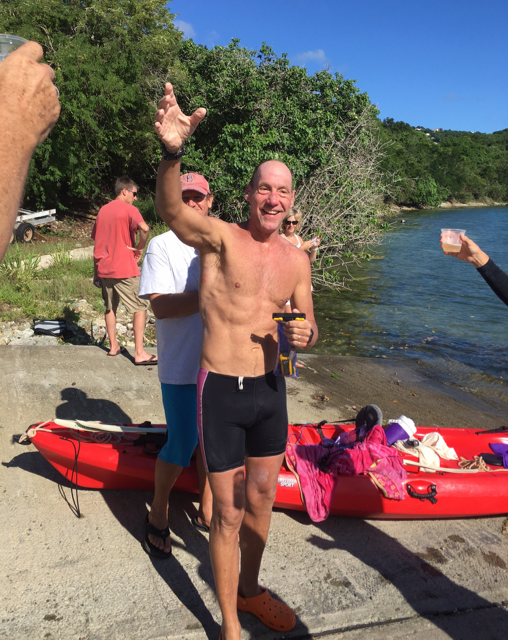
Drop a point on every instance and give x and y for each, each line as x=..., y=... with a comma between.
x=171, y=125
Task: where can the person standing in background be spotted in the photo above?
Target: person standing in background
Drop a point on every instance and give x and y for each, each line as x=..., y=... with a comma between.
x=116, y=257
x=170, y=280
x=292, y=223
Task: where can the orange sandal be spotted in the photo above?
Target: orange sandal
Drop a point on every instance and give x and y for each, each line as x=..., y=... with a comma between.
x=275, y=614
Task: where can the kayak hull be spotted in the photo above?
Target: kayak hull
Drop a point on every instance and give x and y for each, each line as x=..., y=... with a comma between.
x=126, y=465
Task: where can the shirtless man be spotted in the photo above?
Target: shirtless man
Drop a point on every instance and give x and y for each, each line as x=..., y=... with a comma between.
x=248, y=272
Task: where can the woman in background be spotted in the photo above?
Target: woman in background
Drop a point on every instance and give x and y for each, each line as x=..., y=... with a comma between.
x=292, y=223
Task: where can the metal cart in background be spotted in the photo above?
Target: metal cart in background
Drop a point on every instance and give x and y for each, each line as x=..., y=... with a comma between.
x=26, y=222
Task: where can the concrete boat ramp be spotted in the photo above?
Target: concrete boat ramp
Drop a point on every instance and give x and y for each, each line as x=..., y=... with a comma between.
x=64, y=578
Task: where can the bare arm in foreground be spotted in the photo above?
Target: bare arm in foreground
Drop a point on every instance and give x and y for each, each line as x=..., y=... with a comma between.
x=29, y=108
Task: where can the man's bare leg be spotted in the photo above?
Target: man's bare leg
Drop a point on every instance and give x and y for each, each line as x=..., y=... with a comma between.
x=110, y=317
x=138, y=323
x=166, y=474
x=205, y=493
x=260, y=489
x=228, y=489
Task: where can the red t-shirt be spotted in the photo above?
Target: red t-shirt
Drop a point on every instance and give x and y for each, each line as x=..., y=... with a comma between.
x=115, y=230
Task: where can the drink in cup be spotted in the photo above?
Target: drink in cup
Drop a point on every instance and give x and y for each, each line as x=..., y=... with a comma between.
x=450, y=239
x=9, y=43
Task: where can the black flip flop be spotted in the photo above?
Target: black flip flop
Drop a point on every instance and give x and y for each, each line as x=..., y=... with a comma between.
x=200, y=527
x=151, y=361
x=150, y=548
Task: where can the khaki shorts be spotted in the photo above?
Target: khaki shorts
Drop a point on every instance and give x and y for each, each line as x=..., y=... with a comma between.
x=125, y=289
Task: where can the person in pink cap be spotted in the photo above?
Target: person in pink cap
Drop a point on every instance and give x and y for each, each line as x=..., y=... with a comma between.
x=170, y=280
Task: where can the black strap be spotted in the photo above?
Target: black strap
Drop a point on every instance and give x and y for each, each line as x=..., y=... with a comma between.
x=430, y=495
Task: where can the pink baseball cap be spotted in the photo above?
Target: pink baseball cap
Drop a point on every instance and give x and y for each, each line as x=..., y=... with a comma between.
x=194, y=182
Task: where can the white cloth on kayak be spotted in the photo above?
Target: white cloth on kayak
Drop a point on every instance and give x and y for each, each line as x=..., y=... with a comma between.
x=169, y=266
x=432, y=447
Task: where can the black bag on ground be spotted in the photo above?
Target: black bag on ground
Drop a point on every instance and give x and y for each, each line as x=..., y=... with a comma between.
x=54, y=328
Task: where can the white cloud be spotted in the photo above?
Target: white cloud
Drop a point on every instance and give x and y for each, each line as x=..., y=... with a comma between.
x=212, y=38
x=312, y=56
x=186, y=28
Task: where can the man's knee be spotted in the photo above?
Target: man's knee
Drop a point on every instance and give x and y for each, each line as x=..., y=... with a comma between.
x=228, y=519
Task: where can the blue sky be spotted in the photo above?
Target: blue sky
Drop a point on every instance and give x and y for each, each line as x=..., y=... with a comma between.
x=426, y=62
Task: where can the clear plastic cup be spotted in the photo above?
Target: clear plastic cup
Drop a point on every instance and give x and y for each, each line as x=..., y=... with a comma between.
x=9, y=43
x=450, y=239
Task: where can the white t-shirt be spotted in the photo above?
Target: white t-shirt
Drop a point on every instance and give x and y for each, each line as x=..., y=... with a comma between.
x=170, y=266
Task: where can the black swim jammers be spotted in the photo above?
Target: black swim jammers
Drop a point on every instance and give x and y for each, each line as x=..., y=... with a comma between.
x=238, y=416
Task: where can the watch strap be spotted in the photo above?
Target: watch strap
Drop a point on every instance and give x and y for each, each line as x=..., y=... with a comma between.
x=166, y=155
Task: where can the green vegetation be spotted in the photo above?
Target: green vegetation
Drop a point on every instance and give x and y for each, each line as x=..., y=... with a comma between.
x=26, y=292
x=111, y=59
x=430, y=167
x=259, y=107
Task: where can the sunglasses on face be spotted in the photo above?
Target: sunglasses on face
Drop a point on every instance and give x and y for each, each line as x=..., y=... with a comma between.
x=134, y=193
x=291, y=222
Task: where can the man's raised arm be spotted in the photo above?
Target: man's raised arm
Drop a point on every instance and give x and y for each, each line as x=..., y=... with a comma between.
x=173, y=128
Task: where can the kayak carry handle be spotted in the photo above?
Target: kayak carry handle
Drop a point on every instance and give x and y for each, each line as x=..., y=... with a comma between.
x=430, y=495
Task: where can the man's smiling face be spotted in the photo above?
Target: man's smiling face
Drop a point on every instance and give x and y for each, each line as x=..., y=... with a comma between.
x=270, y=196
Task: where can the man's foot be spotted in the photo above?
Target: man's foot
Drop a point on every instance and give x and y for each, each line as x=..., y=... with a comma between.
x=157, y=542
x=151, y=360
x=117, y=352
x=271, y=612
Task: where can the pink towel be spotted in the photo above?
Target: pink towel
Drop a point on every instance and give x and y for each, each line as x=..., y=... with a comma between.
x=317, y=468
x=316, y=482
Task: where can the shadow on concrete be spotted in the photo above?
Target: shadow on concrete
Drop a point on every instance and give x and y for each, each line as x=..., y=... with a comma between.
x=33, y=462
x=129, y=508
x=78, y=405
x=425, y=588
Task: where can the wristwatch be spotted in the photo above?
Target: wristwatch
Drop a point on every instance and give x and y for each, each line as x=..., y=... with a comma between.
x=171, y=156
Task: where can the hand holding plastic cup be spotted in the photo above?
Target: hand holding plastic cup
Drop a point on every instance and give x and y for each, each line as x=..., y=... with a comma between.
x=450, y=239
x=9, y=43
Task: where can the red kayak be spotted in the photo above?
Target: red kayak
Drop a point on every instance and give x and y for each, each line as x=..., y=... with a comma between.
x=124, y=460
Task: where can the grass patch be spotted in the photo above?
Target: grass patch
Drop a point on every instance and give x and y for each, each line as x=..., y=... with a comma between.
x=27, y=293
x=50, y=245
x=47, y=293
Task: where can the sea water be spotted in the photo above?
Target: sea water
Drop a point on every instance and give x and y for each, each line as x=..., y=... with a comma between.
x=413, y=303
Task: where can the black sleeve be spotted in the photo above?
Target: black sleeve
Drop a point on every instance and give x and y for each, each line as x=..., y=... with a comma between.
x=496, y=279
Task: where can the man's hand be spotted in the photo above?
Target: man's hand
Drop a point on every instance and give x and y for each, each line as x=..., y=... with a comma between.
x=299, y=332
x=171, y=125
x=469, y=252
x=137, y=252
x=29, y=102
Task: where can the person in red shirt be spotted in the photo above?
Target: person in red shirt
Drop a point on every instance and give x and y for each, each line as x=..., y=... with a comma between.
x=116, y=257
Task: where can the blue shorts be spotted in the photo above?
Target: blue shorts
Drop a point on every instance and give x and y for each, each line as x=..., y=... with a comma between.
x=180, y=407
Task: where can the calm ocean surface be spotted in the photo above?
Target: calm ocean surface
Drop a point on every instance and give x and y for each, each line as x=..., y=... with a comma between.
x=416, y=304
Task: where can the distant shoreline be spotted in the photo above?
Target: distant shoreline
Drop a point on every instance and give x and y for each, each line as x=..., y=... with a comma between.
x=449, y=205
